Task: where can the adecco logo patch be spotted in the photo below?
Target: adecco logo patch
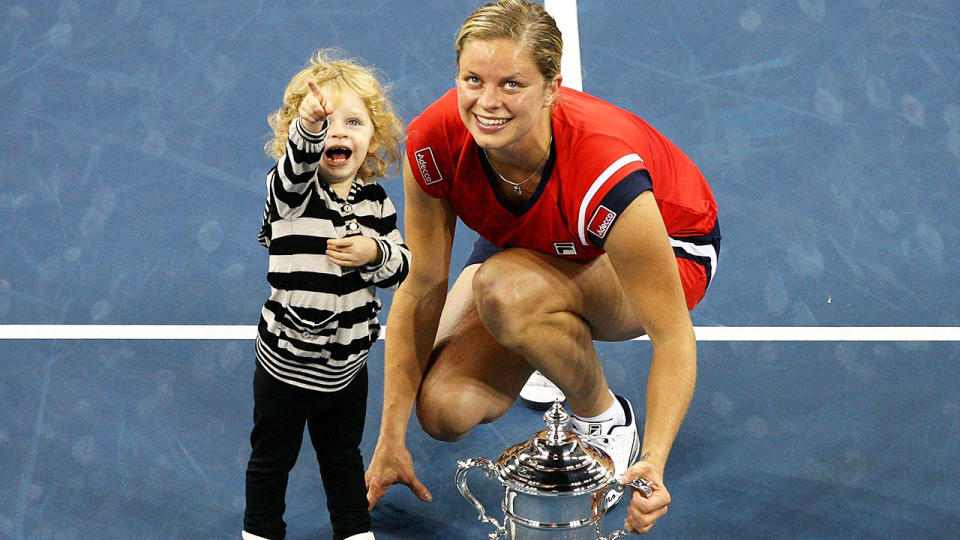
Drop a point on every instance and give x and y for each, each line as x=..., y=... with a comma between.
x=428, y=166
x=601, y=221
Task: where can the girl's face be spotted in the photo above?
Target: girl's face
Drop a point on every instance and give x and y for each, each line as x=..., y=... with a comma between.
x=349, y=135
x=502, y=97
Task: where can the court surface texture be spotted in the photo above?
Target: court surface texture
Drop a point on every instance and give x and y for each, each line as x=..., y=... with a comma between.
x=131, y=190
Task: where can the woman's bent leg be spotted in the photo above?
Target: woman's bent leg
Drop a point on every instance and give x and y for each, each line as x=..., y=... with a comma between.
x=549, y=311
x=471, y=379
x=517, y=311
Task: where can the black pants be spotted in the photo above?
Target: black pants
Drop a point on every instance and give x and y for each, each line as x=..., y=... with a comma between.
x=335, y=421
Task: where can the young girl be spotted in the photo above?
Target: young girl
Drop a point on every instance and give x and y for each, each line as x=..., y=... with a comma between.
x=333, y=238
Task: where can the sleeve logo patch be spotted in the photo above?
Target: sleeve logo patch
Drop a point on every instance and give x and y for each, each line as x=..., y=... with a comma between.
x=428, y=166
x=601, y=221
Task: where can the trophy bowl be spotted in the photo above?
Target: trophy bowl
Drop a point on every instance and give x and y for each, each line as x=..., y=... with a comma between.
x=555, y=485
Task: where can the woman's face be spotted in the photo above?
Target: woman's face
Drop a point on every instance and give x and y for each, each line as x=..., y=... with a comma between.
x=501, y=95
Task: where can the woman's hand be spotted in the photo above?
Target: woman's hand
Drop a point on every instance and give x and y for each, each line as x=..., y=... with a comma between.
x=392, y=464
x=645, y=510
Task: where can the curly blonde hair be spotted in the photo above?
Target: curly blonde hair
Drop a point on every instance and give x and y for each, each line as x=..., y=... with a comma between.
x=330, y=67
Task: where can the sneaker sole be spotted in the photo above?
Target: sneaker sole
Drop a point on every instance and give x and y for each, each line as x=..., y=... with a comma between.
x=539, y=396
x=537, y=405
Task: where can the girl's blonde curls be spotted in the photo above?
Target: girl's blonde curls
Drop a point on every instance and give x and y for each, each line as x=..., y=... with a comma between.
x=330, y=67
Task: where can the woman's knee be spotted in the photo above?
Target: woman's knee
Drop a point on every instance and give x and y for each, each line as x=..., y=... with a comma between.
x=445, y=415
x=508, y=301
x=450, y=408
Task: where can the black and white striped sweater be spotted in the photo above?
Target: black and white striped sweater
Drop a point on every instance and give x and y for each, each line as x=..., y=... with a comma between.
x=320, y=321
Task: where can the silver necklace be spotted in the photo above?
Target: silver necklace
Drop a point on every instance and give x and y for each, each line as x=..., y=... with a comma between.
x=516, y=185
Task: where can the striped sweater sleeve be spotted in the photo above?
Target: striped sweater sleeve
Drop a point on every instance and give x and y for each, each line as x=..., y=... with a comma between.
x=288, y=183
x=394, y=263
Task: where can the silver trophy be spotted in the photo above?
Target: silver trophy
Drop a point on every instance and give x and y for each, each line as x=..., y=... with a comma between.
x=555, y=486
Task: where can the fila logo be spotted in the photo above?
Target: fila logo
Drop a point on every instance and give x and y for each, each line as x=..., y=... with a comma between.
x=601, y=221
x=595, y=430
x=565, y=248
x=428, y=166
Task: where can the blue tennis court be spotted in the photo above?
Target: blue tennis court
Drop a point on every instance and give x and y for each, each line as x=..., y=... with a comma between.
x=131, y=186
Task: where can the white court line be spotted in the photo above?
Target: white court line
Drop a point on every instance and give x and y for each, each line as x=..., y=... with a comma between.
x=704, y=333
x=127, y=331
x=827, y=333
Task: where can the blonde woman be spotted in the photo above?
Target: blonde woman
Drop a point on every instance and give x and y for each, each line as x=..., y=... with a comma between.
x=593, y=226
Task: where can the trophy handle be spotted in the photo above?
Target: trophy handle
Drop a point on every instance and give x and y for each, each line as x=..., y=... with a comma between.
x=645, y=487
x=489, y=470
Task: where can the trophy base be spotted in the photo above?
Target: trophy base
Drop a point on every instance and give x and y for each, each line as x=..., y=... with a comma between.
x=520, y=531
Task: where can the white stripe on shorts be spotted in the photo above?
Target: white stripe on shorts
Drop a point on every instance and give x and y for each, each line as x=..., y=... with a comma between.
x=698, y=251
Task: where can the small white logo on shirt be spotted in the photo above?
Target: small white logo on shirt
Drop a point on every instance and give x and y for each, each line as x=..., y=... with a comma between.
x=565, y=248
x=428, y=166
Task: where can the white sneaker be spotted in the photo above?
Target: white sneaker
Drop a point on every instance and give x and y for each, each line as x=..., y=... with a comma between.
x=248, y=536
x=539, y=393
x=361, y=536
x=621, y=443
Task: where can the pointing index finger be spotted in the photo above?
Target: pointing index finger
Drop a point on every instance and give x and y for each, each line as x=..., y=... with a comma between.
x=321, y=100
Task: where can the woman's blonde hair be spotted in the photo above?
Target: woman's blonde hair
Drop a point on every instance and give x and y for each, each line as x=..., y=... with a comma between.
x=330, y=67
x=524, y=22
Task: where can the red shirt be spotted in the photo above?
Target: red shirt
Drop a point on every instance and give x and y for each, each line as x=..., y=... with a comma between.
x=603, y=157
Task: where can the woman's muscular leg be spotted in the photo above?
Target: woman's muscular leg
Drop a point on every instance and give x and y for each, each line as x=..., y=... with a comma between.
x=516, y=311
x=471, y=379
x=549, y=311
